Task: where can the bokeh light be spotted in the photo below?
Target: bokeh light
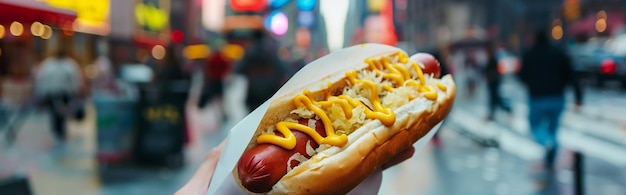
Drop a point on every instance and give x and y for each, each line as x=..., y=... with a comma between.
x=306, y=18
x=305, y=5
x=601, y=25
x=233, y=51
x=177, y=36
x=557, y=32
x=213, y=14
x=303, y=38
x=277, y=3
x=375, y=5
x=68, y=28
x=2, y=31
x=277, y=23
x=198, y=51
x=16, y=29
x=36, y=29
x=158, y=52
x=47, y=32
x=248, y=5
x=601, y=15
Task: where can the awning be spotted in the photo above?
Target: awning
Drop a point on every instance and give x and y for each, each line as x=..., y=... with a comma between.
x=29, y=11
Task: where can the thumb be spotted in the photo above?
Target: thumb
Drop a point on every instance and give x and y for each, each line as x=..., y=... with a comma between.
x=371, y=185
x=199, y=182
x=404, y=155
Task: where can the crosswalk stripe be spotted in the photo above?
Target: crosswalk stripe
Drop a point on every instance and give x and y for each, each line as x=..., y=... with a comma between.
x=527, y=149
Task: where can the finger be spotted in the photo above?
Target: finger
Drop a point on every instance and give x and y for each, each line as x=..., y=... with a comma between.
x=404, y=155
x=218, y=149
x=199, y=182
x=371, y=185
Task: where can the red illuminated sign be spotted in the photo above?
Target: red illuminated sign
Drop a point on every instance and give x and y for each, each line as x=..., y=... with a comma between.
x=177, y=36
x=248, y=5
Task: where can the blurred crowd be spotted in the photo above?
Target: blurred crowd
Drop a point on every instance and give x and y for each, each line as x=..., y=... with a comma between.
x=59, y=84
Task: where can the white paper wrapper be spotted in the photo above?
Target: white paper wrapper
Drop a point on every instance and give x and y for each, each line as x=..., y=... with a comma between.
x=318, y=70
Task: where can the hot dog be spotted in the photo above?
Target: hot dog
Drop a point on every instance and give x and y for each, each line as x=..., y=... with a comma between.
x=260, y=168
x=329, y=140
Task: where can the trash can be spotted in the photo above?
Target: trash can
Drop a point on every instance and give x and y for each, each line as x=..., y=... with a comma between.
x=115, y=122
x=162, y=123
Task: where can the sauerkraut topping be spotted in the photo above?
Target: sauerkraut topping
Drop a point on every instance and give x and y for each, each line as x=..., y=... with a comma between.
x=373, y=93
x=299, y=158
x=309, y=149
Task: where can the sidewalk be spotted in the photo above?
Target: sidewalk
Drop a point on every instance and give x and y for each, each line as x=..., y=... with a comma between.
x=601, y=141
x=604, y=136
x=71, y=168
x=460, y=166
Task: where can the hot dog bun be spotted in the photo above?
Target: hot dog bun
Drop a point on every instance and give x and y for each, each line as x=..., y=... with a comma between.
x=337, y=170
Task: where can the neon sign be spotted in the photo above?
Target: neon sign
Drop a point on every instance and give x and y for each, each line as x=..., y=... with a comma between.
x=151, y=17
x=305, y=5
x=91, y=16
x=248, y=5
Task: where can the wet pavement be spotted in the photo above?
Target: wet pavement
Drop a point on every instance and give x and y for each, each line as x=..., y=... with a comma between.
x=597, y=131
x=70, y=167
x=459, y=164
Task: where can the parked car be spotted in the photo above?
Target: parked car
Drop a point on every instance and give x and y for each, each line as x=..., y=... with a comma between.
x=599, y=62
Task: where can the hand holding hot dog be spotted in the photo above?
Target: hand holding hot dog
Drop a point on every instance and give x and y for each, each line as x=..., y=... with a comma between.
x=335, y=137
x=357, y=112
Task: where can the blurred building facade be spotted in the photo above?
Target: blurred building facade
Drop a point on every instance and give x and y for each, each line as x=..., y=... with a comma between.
x=32, y=30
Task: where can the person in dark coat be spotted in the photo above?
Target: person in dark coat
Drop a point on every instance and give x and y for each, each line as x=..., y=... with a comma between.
x=494, y=79
x=442, y=58
x=217, y=68
x=263, y=69
x=547, y=71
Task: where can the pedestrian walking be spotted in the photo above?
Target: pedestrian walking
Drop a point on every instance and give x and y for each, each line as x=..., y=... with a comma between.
x=217, y=67
x=547, y=71
x=58, y=83
x=493, y=78
x=263, y=69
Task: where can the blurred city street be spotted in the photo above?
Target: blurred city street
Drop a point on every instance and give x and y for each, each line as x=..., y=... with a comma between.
x=462, y=162
x=124, y=97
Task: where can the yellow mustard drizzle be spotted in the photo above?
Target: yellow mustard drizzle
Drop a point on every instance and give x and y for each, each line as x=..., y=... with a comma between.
x=385, y=115
x=405, y=72
x=397, y=73
x=289, y=141
x=387, y=87
x=418, y=71
x=442, y=87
